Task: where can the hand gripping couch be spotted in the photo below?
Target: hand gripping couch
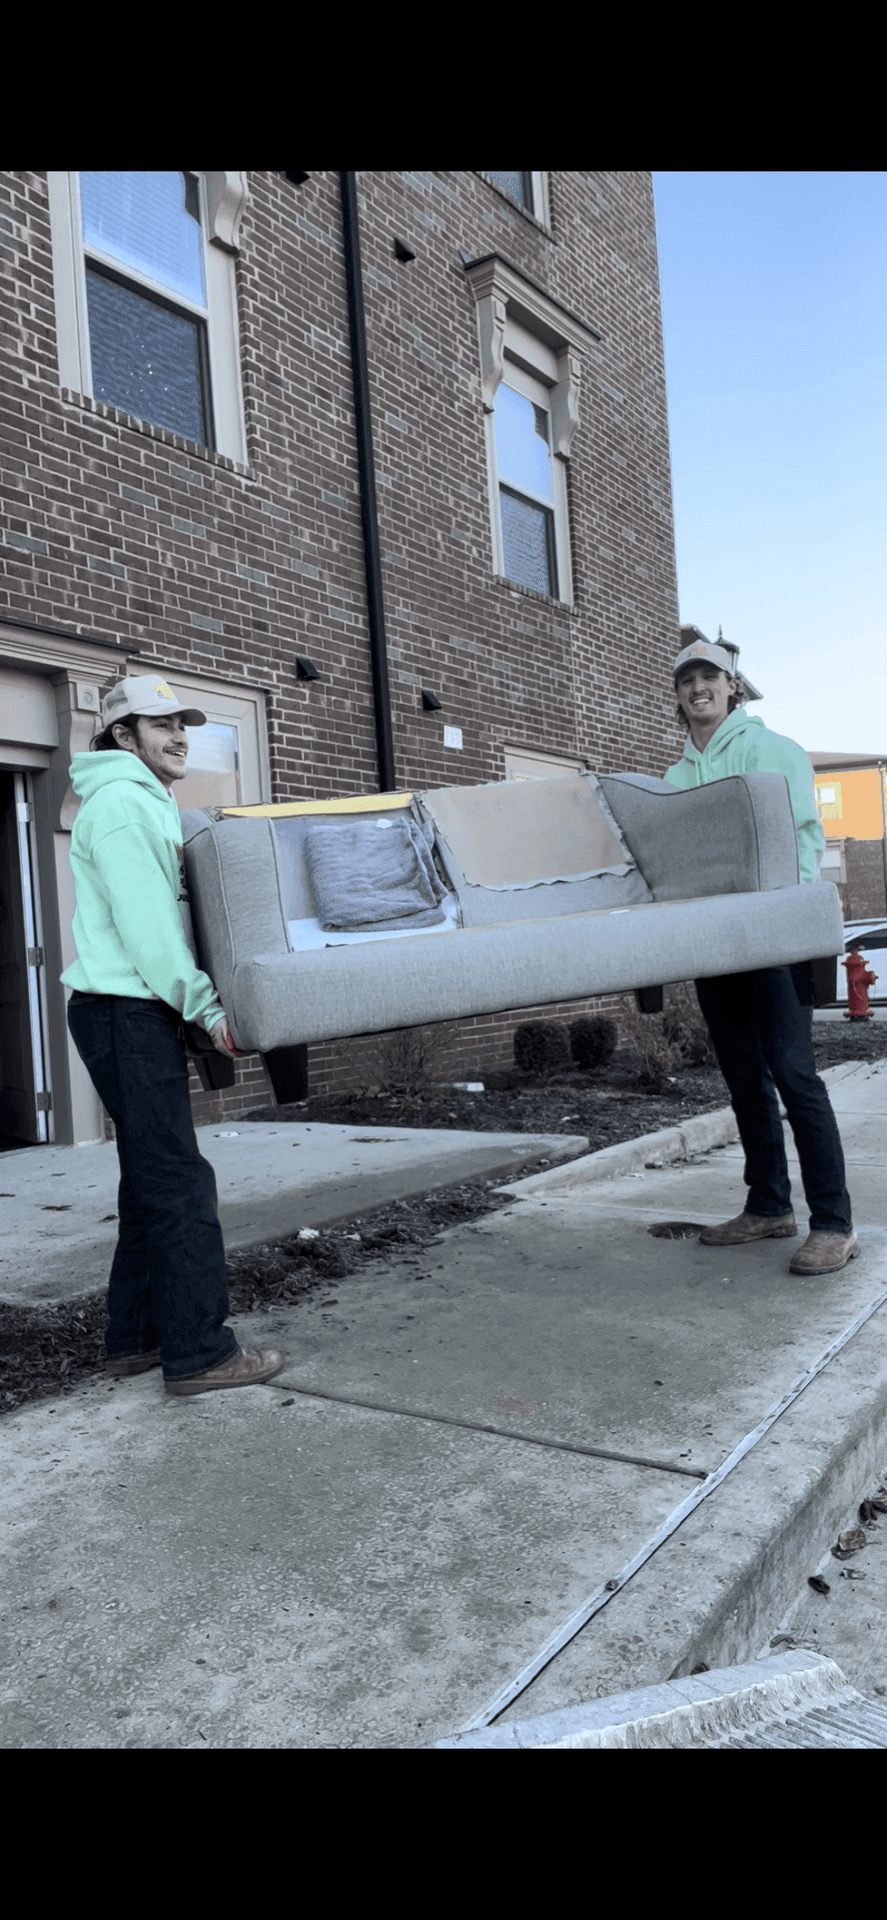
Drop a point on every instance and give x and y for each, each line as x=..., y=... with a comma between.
x=325, y=919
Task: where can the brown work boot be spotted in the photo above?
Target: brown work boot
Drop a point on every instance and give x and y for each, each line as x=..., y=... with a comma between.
x=121, y=1365
x=242, y=1370
x=750, y=1226
x=825, y=1253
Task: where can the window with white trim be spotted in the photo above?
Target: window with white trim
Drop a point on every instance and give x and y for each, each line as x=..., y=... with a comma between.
x=145, y=297
x=828, y=799
x=526, y=483
x=527, y=189
x=530, y=352
x=523, y=763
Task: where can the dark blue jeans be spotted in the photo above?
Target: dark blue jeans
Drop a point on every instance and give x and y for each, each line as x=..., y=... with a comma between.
x=168, y=1285
x=761, y=1026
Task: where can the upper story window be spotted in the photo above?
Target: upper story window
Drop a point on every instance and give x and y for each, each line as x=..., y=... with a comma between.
x=146, y=298
x=828, y=800
x=526, y=482
x=528, y=190
x=531, y=352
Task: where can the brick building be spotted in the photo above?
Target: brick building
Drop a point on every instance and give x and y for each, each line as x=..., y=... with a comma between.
x=851, y=799
x=375, y=467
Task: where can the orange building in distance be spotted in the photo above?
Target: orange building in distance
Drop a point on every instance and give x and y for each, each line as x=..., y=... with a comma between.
x=851, y=800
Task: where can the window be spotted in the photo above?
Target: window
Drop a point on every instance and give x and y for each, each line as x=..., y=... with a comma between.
x=523, y=763
x=530, y=351
x=228, y=762
x=828, y=800
x=527, y=189
x=146, y=298
x=526, y=483
x=143, y=265
x=832, y=866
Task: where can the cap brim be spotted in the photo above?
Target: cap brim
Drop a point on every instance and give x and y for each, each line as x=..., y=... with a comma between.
x=189, y=716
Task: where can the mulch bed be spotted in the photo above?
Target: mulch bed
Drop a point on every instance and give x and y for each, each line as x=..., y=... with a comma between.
x=45, y=1353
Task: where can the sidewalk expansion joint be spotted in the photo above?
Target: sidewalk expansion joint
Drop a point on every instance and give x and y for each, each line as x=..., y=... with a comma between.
x=501, y=1433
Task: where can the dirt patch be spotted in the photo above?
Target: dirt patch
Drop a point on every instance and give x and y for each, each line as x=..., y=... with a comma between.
x=45, y=1353
x=607, y=1105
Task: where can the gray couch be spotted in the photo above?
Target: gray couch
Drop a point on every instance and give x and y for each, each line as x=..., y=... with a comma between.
x=542, y=891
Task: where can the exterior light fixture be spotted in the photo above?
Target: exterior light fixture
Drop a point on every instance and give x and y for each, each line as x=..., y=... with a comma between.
x=305, y=668
x=430, y=702
x=403, y=250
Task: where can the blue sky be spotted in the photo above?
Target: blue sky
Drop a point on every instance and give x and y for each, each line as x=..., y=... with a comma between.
x=774, y=304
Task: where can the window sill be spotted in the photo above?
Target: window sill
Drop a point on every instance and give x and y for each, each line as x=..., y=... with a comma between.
x=531, y=593
x=176, y=441
x=516, y=207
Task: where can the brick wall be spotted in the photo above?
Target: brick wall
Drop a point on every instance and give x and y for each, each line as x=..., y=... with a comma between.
x=113, y=529
x=863, y=893
x=468, y=1050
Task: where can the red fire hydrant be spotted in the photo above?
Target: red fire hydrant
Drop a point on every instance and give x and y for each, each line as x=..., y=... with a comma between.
x=859, y=979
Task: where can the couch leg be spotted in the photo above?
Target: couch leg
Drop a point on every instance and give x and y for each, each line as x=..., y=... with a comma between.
x=648, y=999
x=214, y=1073
x=286, y=1069
x=825, y=981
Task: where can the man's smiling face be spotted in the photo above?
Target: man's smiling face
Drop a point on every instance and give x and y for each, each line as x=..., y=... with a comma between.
x=161, y=744
x=704, y=692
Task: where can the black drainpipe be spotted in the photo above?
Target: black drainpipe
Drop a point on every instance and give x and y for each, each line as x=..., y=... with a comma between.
x=368, y=510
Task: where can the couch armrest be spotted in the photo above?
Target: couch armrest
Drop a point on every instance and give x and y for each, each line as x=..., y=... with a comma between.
x=235, y=897
x=734, y=836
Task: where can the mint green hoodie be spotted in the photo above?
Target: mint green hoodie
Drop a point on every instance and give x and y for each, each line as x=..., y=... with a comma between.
x=132, y=927
x=743, y=744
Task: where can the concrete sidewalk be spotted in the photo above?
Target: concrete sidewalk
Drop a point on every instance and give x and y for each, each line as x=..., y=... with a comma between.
x=58, y=1205
x=464, y=1449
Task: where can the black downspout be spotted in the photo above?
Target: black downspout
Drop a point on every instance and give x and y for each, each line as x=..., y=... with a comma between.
x=366, y=467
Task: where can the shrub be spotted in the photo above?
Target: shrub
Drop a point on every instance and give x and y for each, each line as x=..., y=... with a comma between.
x=593, y=1040
x=665, y=1042
x=407, y=1060
x=685, y=1028
x=540, y=1046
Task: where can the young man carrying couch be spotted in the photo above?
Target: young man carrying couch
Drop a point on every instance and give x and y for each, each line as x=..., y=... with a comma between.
x=761, y=1023
x=135, y=981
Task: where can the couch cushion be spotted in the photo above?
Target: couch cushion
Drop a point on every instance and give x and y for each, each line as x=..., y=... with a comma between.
x=373, y=873
x=504, y=843
x=731, y=836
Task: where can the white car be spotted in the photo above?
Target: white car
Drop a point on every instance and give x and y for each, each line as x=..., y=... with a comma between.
x=868, y=938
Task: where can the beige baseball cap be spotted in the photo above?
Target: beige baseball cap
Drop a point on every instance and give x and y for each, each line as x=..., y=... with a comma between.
x=148, y=695
x=706, y=650
x=719, y=654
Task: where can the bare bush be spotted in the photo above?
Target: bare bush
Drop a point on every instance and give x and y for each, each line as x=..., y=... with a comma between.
x=685, y=1026
x=664, y=1043
x=406, y=1061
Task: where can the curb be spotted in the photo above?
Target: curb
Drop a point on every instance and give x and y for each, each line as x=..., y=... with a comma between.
x=703, y=1708
x=766, y=1529
x=651, y=1150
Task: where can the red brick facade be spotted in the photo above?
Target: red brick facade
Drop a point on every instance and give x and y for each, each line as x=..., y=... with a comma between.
x=116, y=531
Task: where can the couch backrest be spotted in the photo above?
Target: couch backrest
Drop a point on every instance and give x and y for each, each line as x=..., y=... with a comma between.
x=732, y=836
x=532, y=850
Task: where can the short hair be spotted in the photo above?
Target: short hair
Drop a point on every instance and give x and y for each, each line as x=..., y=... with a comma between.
x=105, y=742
